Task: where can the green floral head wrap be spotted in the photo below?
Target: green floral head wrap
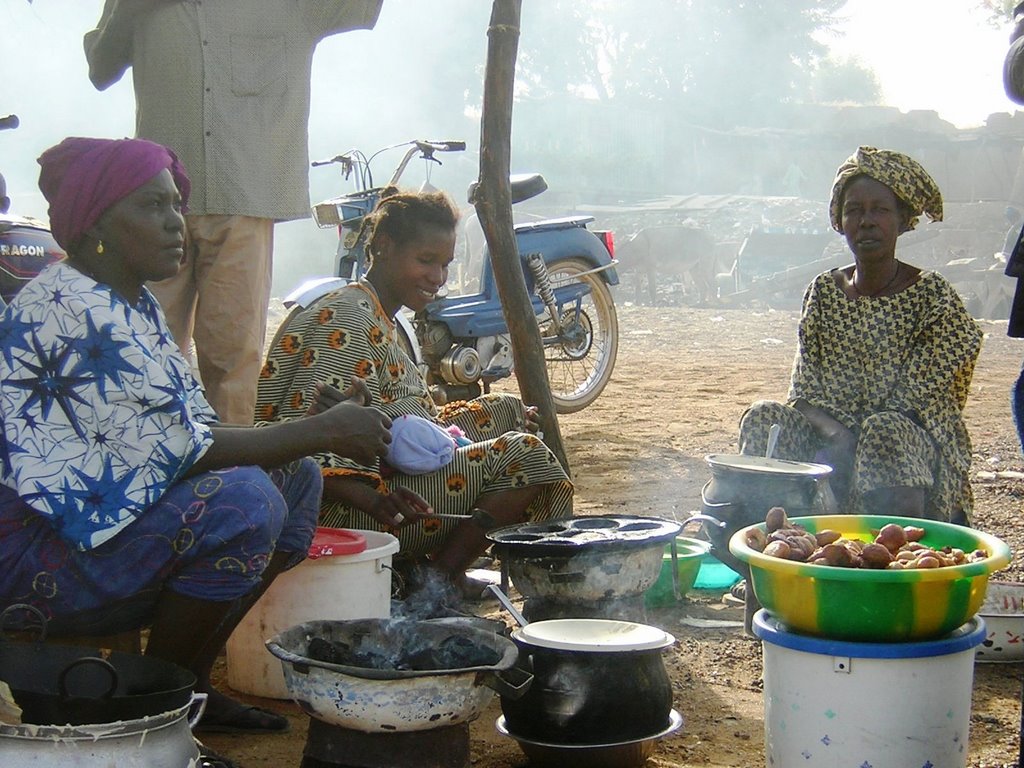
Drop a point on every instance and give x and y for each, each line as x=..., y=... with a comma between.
x=902, y=174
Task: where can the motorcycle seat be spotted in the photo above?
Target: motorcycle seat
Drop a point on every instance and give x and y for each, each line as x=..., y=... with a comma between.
x=524, y=186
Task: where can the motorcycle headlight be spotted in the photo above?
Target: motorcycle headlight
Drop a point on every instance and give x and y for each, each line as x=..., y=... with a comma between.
x=326, y=215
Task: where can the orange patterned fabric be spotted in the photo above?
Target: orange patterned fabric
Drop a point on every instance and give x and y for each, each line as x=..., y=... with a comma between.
x=347, y=333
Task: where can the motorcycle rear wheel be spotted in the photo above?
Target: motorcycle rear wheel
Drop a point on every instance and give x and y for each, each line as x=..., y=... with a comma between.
x=581, y=365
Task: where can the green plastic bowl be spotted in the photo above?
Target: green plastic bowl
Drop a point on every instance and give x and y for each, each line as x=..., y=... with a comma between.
x=873, y=605
x=689, y=555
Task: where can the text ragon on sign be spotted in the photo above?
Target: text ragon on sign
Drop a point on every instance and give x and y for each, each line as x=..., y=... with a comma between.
x=22, y=250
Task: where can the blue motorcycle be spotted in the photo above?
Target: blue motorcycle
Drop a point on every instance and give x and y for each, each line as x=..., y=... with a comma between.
x=26, y=244
x=461, y=342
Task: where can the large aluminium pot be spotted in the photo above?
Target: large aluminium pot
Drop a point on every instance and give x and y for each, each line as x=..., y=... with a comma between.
x=157, y=741
x=743, y=488
x=72, y=685
x=595, y=681
x=372, y=700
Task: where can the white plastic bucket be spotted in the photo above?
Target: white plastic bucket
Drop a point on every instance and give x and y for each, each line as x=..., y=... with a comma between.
x=334, y=587
x=831, y=703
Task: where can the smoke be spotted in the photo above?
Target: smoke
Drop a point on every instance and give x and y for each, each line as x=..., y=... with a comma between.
x=370, y=89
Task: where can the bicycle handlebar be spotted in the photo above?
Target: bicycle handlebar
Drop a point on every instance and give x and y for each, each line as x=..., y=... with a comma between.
x=356, y=160
x=9, y=122
x=442, y=146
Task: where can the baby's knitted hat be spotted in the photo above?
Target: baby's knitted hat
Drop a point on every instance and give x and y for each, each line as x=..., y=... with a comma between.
x=419, y=446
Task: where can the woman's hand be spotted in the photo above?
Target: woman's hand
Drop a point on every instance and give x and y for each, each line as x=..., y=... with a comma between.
x=360, y=432
x=839, y=451
x=531, y=418
x=339, y=422
x=399, y=508
x=328, y=396
x=839, y=444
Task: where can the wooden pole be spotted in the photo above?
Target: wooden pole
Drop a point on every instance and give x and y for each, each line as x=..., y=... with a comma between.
x=493, y=203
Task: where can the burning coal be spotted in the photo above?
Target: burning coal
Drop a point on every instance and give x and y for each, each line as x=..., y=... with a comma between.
x=399, y=647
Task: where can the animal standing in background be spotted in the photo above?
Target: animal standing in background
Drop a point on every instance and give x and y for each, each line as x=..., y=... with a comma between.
x=682, y=251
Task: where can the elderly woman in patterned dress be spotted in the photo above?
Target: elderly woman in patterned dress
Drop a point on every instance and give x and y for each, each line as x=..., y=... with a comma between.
x=885, y=356
x=349, y=336
x=123, y=503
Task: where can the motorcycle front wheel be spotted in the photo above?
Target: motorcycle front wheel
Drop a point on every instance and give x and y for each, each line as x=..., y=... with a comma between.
x=580, y=362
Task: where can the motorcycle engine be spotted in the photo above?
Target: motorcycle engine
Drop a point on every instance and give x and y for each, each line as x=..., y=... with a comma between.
x=453, y=363
x=435, y=339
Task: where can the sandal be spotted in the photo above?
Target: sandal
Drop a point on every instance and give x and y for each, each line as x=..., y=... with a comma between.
x=739, y=590
x=229, y=716
x=210, y=759
x=737, y=594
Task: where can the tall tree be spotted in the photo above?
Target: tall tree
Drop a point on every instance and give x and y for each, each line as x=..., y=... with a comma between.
x=722, y=62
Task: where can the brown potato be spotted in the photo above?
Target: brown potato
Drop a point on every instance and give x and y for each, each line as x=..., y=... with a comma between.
x=876, y=556
x=856, y=545
x=892, y=537
x=913, y=533
x=776, y=519
x=756, y=539
x=827, y=537
x=803, y=543
x=778, y=549
x=839, y=556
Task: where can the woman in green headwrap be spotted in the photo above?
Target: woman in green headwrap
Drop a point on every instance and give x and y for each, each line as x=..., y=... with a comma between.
x=885, y=355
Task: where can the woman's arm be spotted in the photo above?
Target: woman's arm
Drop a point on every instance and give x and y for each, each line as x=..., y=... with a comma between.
x=829, y=428
x=397, y=507
x=346, y=429
x=940, y=363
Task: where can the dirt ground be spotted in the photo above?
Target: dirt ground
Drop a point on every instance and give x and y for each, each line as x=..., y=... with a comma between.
x=682, y=380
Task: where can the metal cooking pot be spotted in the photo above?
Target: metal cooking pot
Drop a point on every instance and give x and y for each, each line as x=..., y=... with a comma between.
x=743, y=488
x=595, y=681
x=584, y=559
x=72, y=685
x=757, y=481
x=387, y=700
x=160, y=741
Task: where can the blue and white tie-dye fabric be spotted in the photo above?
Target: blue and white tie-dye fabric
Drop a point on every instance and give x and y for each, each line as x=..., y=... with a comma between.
x=101, y=413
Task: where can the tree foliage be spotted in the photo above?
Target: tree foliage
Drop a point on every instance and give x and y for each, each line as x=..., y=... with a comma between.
x=720, y=62
x=998, y=12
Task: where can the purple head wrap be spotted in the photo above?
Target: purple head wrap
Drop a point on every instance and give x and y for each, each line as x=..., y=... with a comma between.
x=81, y=178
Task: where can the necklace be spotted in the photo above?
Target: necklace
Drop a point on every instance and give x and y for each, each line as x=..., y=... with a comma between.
x=883, y=289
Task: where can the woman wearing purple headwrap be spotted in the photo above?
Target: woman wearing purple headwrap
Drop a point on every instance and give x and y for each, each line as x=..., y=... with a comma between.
x=122, y=502
x=885, y=358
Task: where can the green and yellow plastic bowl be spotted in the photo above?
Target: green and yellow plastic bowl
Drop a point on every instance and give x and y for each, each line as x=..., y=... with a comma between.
x=868, y=605
x=690, y=554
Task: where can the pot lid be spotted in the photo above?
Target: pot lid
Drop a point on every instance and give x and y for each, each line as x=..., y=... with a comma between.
x=604, y=635
x=328, y=542
x=762, y=465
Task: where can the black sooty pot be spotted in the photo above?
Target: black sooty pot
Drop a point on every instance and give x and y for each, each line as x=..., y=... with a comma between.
x=64, y=684
x=595, y=681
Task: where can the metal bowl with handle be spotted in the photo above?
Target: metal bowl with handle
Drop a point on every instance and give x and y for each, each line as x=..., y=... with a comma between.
x=375, y=700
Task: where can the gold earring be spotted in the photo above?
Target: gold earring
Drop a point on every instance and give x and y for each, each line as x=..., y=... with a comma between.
x=99, y=247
